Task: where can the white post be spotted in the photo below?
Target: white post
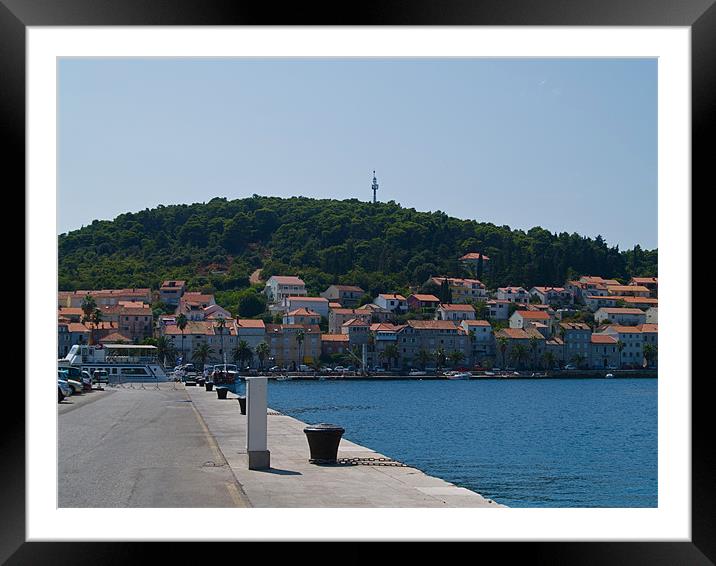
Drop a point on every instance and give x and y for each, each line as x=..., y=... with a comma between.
x=256, y=423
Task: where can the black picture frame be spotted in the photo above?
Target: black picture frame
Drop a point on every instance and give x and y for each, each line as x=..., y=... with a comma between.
x=699, y=15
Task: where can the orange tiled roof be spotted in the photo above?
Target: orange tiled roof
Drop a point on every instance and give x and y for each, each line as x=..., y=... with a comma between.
x=287, y=280
x=456, y=307
x=432, y=324
x=602, y=339
x=533, y=315
x=334, y=337
x=425, y=298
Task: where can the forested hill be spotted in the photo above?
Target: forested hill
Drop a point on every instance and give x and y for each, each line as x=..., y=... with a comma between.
x=381, y=247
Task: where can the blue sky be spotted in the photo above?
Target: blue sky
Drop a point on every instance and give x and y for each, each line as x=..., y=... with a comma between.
x=566, y=144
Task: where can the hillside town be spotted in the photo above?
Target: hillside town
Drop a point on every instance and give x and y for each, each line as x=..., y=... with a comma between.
x=449, y=322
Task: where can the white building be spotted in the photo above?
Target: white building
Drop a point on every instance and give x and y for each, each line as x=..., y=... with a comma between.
x=553, y=295
x=632, y=342
x=455, y=312
x=393, y=302
x=620, y=316
x=279, y=287
x=513, y=295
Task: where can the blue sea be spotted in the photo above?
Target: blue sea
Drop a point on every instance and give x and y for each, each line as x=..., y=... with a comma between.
x=523, y=443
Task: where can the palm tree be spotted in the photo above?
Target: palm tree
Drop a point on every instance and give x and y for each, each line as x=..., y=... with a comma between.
x=440, y=357
x=534, y=345
x=456, y=357
x=562, y=332
x=202, y=353
x=649, y=353
x=96, y=318
x=519, y=353
x=221, y=324
x=424, y=357
x=620, y=347
x=242, y=353
x=262, y=352
x=300, y=337
x=181, y=323
x=390, y=353
x=88, y=307
x=549, y=359
x=578, y=359
x=165, y=348
x=502, y=344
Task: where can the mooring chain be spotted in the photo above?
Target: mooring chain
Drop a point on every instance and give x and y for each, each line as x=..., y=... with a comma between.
x=362, y=462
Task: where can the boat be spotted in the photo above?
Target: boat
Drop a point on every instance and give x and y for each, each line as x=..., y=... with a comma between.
x=417, y=372
x=121, y=363
x=225, y=374
x=284, y=378
x=609, y=376
x=458, y=375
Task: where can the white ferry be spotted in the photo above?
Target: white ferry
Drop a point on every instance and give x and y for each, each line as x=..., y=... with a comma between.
x=124, y=363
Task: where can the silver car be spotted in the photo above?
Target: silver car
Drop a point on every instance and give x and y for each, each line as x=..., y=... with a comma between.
x=63, y=389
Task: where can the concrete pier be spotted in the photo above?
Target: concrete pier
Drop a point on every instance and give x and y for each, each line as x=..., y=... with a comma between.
x=292, y=481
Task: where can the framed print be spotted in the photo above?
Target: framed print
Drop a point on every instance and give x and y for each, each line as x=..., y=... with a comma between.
x=557, y=128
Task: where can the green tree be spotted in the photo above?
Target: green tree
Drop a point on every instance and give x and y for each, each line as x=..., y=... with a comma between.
x=242, y=354
x=440, y=358
x=620, y=348
x=502, y=346
x=89, y=305
x=456, y=357
x=423, y=358
x=300, y=337
x=221, y=325
x=262, y=353
x=181, y=323
x=390, y=353
x=650, y=351
x=165, y=348
x=534, y=346
x=549, y=359
x=202, y=353
x=519, y=354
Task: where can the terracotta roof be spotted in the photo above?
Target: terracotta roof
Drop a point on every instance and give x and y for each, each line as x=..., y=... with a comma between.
x=343, y=311
x=513, y=333
x=574, y=325
x=355, y=322
x=250, y=323
x=303, y=312
x=392, y=296
x=425, y=298
x=287, y=280
x=475, y=323
x=77, y=327
x=173, y=284
x=602, y=339
x=334, y=337
x=623, y=329
x=335, y=305
x=512, y=289
x=638, y=280
x=474, y=255
x=533, y=315
x=309, y=299
x=547, y=289
x=71, y=311
x=649, y=327
x=456, y=307
x=384, y=327
x=628, y=288
x=640, y=300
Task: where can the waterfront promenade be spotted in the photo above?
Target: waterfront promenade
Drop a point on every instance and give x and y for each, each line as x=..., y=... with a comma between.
x=183, y=447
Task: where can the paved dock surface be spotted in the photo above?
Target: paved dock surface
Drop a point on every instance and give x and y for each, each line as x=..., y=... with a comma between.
x=177, y=446
x=140, y=448
x=293, y=482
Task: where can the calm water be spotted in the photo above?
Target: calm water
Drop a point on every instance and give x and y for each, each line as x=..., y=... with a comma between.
x=523, y=443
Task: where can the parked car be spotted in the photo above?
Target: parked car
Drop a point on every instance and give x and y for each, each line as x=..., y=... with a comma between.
x=570, y=366
x=63, y=389
x=86, y=379
x=100, y=376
